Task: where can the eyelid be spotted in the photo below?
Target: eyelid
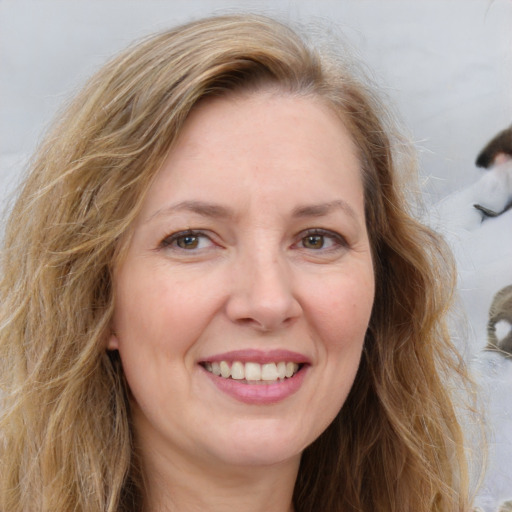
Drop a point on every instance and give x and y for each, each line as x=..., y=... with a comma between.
x=168, y=241
x=327, y=233
x=339, y=241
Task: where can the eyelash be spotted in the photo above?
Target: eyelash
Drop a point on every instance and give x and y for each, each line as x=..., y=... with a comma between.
x=338, y=240
x=171, y=240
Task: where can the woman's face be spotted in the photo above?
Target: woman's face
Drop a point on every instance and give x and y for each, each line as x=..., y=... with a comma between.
x=250, y=258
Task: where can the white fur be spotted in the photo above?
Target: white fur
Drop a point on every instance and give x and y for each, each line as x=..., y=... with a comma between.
x=493, y=191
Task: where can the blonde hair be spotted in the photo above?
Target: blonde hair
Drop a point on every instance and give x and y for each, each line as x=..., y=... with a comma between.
x=66, y=439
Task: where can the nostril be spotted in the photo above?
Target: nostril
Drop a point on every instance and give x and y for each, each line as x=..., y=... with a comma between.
x=263, y=324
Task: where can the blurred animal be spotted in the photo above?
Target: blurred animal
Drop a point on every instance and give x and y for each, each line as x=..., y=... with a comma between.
x=498, y=190
x=496, y=150
x=506, y=506
x=500, y=310
x=496, y=186
x=494, y=190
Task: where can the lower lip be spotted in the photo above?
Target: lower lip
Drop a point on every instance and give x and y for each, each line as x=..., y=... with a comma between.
x=259, y=394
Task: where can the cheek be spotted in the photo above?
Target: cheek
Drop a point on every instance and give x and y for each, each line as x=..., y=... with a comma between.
x=159, y=312
x=157, y=321
x=343, y=308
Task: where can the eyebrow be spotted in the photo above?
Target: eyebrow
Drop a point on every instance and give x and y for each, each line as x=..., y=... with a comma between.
x=322, y=209
x=200, y=207
x=217, y=211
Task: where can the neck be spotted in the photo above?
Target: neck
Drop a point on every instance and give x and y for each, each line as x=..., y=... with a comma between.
x=176, y=484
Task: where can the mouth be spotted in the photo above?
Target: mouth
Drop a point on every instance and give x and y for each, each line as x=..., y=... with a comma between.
x=251, y=372
x=256, y=377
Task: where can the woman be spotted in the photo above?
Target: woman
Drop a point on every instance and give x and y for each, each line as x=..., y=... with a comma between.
x=214, y=296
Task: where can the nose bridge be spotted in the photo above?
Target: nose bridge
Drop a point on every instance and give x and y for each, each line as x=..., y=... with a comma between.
x=263, y=292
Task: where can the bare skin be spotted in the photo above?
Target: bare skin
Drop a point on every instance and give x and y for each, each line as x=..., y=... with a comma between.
x=177, y=486
x=250, y=252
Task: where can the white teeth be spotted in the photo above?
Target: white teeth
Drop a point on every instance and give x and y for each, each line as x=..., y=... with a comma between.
x=215, y=369
x=225, y=370
x=252, y=371
x=268, y=372
x=238, y=371
x=291, y=368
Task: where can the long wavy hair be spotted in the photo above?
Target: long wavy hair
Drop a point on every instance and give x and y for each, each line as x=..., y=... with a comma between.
x=65, y=427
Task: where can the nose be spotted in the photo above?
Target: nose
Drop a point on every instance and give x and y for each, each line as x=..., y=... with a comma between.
x=262, y=293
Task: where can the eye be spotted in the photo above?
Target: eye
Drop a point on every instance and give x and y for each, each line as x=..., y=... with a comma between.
x=318, y=239
x=189, y=240
x=313, y=241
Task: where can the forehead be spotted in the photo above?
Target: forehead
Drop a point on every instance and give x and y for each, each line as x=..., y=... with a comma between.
x=255, y=111
x=268, y=141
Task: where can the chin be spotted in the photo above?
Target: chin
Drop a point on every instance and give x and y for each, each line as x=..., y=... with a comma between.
x=258, y=456
x=262, y=443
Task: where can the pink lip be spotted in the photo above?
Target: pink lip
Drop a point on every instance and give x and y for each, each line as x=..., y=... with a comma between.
x=259, y=394
x=259, y=356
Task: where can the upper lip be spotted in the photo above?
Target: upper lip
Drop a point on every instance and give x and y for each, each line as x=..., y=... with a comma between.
x=258, y=356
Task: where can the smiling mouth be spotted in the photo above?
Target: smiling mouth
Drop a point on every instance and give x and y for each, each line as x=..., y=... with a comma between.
x=251, y=372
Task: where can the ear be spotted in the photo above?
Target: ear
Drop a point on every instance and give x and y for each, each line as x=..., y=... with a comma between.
x=113, y=342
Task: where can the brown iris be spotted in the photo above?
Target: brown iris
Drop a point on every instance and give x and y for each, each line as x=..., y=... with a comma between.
x=188, y=242
x=313, y=241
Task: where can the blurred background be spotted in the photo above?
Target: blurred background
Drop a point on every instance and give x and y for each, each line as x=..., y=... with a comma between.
x=446, y=65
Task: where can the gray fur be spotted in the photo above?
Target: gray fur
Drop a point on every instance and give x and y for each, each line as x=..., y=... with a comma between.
x=501, y=309
x=506, y=506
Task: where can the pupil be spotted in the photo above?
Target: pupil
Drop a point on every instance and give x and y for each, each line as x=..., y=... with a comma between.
x=188, y=242
x=314, y=242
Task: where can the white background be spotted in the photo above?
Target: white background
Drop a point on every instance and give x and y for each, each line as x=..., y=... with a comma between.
x=445, y=64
